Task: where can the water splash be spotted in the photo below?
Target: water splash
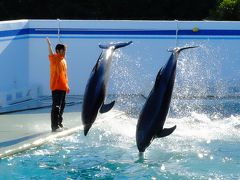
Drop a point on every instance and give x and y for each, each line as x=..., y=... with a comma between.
x=128, y=80
x=125, y=71
x=198, y=73
x=198, y=78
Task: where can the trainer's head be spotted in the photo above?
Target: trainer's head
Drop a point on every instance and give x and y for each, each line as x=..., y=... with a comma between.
x=60, y=49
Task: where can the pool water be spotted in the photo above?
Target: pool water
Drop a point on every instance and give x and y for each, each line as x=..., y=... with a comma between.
x=205, y=145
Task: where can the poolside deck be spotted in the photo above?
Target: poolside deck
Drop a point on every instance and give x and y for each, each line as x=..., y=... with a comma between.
x=23, y=130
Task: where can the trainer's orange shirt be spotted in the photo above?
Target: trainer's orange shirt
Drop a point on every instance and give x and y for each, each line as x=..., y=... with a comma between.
x=58, y=73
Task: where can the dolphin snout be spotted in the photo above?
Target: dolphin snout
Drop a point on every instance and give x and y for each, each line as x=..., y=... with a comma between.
x=141, y=148
x=141, y=141
x=86, y=128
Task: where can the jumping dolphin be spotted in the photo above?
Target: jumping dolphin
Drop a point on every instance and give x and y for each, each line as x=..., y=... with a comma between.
x=154, y=112
x=96, y=88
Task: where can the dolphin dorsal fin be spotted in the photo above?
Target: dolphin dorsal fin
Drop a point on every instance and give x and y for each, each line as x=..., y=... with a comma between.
x=159, y=75
x=97, y=63
x=166, y=132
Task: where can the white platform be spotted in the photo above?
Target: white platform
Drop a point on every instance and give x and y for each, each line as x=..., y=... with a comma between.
x=27, y=129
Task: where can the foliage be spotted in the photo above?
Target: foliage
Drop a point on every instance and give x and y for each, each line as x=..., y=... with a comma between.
x=120, y=9
x=227, y=10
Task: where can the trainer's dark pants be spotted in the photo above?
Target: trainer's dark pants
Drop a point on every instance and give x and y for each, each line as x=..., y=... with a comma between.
x=58, y=104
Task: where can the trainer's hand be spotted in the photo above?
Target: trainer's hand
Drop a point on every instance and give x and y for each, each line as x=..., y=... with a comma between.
x=49, y=46
x=48, y=41
x=68, y=90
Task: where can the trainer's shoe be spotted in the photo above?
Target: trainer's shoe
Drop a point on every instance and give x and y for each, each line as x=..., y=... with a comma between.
x=57, y=130
x=60, y=125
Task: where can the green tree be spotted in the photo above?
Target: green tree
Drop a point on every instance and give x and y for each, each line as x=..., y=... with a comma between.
x=227, y=10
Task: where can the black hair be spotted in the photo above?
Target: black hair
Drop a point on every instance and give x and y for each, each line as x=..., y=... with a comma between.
x=59, y=47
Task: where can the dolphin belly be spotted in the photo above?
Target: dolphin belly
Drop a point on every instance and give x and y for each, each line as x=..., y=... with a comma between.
x=93, y=99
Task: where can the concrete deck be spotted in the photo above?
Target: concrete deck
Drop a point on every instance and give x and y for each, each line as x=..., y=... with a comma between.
x=20, y=131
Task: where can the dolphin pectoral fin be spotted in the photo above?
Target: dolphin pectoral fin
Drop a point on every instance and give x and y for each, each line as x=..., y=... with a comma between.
x=106, y=107
x=166, y=131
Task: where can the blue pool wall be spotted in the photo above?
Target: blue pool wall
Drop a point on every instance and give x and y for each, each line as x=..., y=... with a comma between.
x=24, y=55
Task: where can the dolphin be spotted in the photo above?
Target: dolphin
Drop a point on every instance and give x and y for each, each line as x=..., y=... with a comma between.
x=95, y=91
x=153, y=114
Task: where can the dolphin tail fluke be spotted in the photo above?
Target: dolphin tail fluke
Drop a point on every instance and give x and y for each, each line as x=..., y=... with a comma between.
x=166, y=132
x=115, y=45
x=177, y=49
x=187, y=47
x=106, y=107
x=120, y=45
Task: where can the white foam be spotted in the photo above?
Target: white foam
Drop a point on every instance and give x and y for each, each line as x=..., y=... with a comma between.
x=201, y=126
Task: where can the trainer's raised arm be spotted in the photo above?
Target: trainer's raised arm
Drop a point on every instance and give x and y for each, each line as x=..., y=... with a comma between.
x=49, y=46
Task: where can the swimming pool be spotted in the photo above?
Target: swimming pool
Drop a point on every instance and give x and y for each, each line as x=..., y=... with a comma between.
x=205, y=145
x=205, y=108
